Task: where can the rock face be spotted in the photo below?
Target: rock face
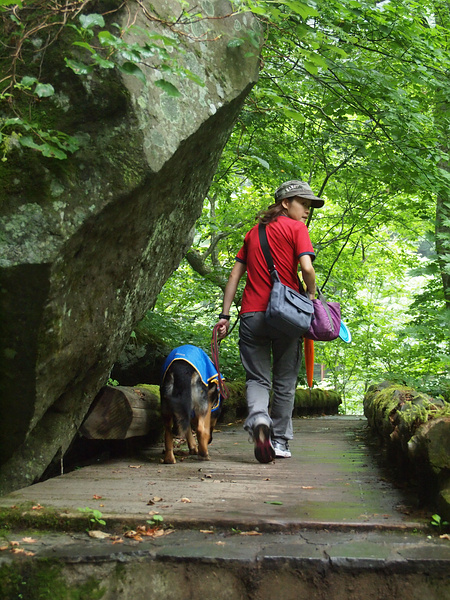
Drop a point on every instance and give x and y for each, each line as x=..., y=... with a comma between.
x=87, y=243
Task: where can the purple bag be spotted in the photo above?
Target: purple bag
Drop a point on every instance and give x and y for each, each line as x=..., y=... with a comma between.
x=326, y=321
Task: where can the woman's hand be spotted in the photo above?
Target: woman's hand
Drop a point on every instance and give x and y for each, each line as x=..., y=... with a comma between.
x=223, y=326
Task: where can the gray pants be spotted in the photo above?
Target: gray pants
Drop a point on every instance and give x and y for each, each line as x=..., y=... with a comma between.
x=266, y=351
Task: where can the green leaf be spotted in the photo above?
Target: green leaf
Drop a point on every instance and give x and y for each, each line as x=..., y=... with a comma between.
x=293, y=114
x=235, y=43
x=132, y=69
x=45, y=149
x=85, y=45
x=78, y=67
x=311, y=67
x=106, y=37
x=273, y=502
x=301, y=9
x=195, y=78
x=262, y=162
x=12, y=121
x=93, y=20
x=169, y=88
x=10, y=2
x=28, y=81
x=103, y=63
x=44, y=90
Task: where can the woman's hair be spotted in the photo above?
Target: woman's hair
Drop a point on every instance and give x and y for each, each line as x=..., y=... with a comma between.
x=272, y=213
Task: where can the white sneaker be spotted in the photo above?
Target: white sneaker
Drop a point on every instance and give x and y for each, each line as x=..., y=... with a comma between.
x=281, y=449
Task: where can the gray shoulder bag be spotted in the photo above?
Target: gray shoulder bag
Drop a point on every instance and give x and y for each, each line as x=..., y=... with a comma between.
x=288, y=310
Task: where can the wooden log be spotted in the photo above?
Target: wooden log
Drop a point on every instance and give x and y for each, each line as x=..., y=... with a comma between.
x=415, y=430
x=396, y=412
x=120, y=412
x=432, y=441
x=316, y=402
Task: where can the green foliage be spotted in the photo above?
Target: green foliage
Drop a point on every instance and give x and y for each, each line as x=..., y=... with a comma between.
x=95, y=516
x=439, y=523
x=43, y=579
x=349, y=99
x=158, y=52
x=156, y=521
x=95, y=46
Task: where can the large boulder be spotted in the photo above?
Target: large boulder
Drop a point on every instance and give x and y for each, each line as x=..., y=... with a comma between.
x=87, y=243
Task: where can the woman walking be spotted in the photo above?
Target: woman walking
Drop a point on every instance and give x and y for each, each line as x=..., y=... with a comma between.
x=271, y=359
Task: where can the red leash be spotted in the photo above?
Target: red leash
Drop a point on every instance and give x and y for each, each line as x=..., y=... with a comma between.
x=215, y=343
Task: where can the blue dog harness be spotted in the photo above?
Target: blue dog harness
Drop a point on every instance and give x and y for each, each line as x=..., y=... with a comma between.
x=200, y=361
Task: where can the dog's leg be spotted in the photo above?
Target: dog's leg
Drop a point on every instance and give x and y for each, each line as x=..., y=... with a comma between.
x=203, y=434
x=169, y=456
x=191, y=442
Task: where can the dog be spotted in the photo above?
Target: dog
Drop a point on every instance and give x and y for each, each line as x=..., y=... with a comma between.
x=190, y=399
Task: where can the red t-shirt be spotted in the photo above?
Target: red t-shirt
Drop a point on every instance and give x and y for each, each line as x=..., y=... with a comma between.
x=288, y=241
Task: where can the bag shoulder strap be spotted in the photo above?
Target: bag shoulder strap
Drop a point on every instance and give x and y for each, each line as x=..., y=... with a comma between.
x=265, y=248
x=269, y=260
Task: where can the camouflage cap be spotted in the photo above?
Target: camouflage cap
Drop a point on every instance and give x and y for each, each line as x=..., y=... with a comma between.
x=295, y=187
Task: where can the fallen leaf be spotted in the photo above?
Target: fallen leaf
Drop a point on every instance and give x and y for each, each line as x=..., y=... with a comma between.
x=220, y=543
x=186, y=500
x=157, y=499
x=95, y=497
x=3, y=548
x=159, y=533
x=267, y=479
x=206, y=531
x=153, y=512
x=15, y=543
x=98, y=535
x=28, y=553
x=28, y=540
x=307, y=487
x=37, y=507
x=134, y=535
x=18, y=551
x=250, y=533
x=445, y=536
x=117, y=541
x=134, y=466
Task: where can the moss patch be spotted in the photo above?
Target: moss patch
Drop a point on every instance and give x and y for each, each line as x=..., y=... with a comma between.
x=43, y=580
x=24, y=516
x=316, y=401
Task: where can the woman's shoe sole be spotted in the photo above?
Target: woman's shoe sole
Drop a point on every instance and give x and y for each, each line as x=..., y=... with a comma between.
x=264, y=452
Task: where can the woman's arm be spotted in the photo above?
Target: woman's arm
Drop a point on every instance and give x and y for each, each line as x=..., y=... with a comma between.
x=308, y=275
x=230, y=291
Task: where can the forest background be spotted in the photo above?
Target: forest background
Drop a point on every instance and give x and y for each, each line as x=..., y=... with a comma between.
x=352, y=98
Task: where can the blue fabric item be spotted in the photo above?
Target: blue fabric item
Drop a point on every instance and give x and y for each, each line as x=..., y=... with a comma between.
x=201, y=362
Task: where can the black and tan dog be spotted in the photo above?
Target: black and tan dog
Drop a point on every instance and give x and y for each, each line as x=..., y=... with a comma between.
x=189, y=399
